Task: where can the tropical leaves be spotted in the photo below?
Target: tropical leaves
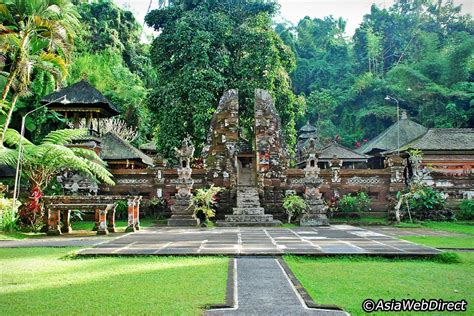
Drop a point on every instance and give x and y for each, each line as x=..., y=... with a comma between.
x=43, y=162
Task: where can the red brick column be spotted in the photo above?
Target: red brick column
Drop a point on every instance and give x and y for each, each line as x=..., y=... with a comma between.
x=54, y=217
x=97, y=222
x=111, y=218
x=131, y=217
x=136, y=212
x=66, y=222
x=102, y=229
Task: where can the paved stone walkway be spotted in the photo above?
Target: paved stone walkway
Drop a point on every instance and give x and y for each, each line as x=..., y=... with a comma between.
x=337, y=239
x=261, y=287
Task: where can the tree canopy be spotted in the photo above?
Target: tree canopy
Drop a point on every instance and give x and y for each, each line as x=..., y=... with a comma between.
x=205, y=47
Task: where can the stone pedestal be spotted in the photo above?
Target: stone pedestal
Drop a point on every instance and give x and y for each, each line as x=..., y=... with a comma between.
x=182, y=209
x=315, y=215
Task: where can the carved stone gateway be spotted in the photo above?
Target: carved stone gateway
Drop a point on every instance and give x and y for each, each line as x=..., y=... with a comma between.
x=182, y=209
x=316, y=214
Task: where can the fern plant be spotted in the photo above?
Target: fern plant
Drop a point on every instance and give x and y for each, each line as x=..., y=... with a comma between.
x=41, y=163
x=204, y=201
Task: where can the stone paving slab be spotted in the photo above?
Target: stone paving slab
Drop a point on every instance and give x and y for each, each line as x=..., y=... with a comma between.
x=56, y=242
x=261, y=287
x=337, y=239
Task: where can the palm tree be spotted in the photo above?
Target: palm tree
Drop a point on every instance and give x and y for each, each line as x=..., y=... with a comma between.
x=41, y=163
x=34, y=34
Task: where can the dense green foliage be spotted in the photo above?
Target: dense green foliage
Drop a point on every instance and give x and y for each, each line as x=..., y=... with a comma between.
x=351, y=203
x=206, y=47
x=420, y=52
x=422, y=202
x=466, y=210
x=294, y=205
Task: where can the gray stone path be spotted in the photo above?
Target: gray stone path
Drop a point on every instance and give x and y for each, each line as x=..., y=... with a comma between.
x=261, y=287
x=336, y=239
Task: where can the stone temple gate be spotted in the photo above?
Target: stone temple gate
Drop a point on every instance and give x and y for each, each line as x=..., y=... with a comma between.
x=227, y=155
x=246, y=166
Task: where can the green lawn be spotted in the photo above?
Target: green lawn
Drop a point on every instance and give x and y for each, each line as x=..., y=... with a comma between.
x=361, y=220
x=40, y=281
x=456, y=227
x=348, y=281
x=442, y=242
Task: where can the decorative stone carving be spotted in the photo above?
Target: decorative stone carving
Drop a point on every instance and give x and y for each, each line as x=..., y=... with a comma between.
x=364, y=180
x=396, y=165
x=182, y=209
x=75, y=183
x=316, y=214
x=269, y=140
x=335, y=164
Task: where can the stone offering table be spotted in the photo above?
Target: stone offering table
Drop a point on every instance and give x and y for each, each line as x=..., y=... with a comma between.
x=58, y=209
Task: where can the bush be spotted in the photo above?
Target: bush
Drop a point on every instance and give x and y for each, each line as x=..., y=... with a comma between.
x=354, y=203
x=466, y=210
x=294, y=206
x=121, y=211
x=8, y=217
x=204, y=201
x=425, y=203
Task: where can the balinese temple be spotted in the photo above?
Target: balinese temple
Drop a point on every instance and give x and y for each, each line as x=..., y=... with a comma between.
x=81, y=101
x=448, y=151
x=388, y=140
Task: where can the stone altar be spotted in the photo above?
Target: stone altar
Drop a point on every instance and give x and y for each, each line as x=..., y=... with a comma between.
x=182, y=210
x=316, y=214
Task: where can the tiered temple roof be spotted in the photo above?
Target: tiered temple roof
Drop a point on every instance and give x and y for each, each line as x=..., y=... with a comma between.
x=341, y=152
x=444, y=139
x=80, y=97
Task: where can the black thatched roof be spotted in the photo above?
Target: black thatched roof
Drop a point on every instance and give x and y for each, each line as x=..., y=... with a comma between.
x=388, y=140
x=342, y=152
x=81, y=96
x=6, y=171
x=115, y=148
x=150, y=147
x=444, y=139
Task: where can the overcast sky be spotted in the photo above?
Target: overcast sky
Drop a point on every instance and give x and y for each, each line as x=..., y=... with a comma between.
x=294, y=10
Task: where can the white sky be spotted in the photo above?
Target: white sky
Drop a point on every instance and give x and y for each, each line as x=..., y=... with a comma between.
x=294, y=10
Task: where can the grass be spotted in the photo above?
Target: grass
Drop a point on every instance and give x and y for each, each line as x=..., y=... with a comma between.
x=347, y=282
x=464, y=227
x=442, y=242
x=361, y=220
x=43, y=281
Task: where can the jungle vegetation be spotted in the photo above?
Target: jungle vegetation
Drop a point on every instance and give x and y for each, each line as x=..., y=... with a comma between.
x=418, y=51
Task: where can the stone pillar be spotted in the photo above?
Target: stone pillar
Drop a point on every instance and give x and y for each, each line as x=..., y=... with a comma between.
x=54, y=217
x=335, y=164
x=182, y=209
x=66, y=228
x=111, y=218
x=97, y=222
x=136, y=213
x=102, y=230
x=131, y=217
x=316, y=214
x=397, y=166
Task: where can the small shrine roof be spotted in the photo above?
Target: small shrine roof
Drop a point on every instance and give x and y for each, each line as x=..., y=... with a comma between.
x=79, y=97
x=116, y=148
x=342, y=152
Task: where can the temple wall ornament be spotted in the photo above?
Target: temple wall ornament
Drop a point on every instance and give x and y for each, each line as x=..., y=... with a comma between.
x=335, y=164
x=396, y=164
x=365, y=180
x=182, y=209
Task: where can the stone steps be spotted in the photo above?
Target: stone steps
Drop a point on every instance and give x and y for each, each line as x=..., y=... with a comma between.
x=248, y=211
